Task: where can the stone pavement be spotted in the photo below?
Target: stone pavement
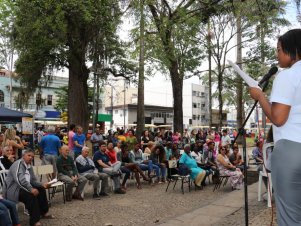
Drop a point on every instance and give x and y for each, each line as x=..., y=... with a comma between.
x=228, y=210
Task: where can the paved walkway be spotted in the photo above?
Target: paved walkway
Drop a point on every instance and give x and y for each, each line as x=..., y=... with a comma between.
x=229, y=210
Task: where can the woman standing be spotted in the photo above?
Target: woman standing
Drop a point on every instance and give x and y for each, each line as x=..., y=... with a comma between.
x=10, y=139
x=284, y=110
x=131, y=140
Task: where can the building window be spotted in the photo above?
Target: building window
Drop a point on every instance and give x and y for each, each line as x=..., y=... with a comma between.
x=193, y=117
x=199, y=117
x=203, y=105
x=202, y=94
x=49, y=100
x=194, y=105
x=194, y=93
x=1, y=96
x=203, y=117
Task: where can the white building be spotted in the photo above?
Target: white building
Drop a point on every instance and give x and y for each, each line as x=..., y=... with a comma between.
x=195, y=103
x=40, y=103
x=126, y=115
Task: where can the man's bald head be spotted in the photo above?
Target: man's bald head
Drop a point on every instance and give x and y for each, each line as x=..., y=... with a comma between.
x=65, y=150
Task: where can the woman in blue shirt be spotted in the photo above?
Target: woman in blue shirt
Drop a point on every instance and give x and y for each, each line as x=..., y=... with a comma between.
x=197, y=174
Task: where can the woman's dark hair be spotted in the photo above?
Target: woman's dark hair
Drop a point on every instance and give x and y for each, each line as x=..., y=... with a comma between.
x=133, y=132
x=258, y=143
x=270, y=135
x=291, y=43
x=124, y=146
x=161, y=152
x=143, y=133
x=195, y=149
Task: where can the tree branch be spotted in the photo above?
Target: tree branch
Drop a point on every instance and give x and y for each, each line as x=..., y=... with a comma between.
x=115, y=74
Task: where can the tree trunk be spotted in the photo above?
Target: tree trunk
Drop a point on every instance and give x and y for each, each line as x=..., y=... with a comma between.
x=177, y=89
x=220, y=94
x=210, y=75
x=140, y=104
x=78, y=93
x=239, y=86
x=262, y=61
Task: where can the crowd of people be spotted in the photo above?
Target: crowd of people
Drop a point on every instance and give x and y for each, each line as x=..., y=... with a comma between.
x=116, y=156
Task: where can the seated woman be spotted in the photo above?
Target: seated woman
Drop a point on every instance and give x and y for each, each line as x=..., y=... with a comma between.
x=197, y=174
x=7, y=159
x=158, y=158
x=196, y=154
x=136, y=156
x=127, y=166
x=149, y=147
x=227, y=169
x=175, y=153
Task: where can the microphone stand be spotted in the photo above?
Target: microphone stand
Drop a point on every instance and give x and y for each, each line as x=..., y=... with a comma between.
x=242, y=132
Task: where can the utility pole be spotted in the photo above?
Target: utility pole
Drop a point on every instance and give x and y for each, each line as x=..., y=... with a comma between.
x=94, y=88
x=97, y=98
x=112, y=121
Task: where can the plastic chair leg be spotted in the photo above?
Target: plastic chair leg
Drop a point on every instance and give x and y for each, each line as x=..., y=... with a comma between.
x=259, y=186
x=270, y=190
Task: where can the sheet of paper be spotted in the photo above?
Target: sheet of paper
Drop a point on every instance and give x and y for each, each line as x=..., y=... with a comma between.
x=250, y=81
x=53, y=181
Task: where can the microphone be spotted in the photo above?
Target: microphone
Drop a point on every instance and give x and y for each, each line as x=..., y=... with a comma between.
x=267, y=76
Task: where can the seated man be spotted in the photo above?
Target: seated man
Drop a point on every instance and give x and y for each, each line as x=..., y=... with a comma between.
x=103, y=164
x=236, y=158
x=67, y=173
x=8, y=213
x=22, y=185
x=86, y=167
x=257, y=152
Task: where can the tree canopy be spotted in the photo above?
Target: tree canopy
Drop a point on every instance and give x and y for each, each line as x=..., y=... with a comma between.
x=67, y=33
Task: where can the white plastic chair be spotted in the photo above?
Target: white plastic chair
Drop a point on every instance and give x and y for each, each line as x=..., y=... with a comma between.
x=48, y=170
x=264, y=173
x=3, y=174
